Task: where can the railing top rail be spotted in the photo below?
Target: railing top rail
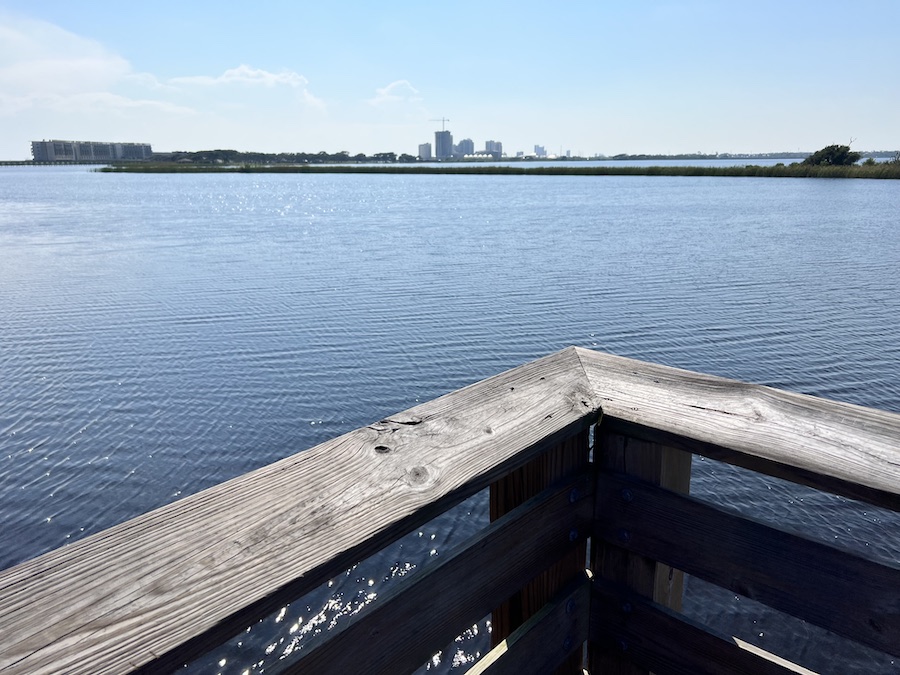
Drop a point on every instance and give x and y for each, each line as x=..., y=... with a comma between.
x=839, y=447
x=162, y=588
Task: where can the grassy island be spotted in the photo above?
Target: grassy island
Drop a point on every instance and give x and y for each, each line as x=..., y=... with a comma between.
x=796, y=170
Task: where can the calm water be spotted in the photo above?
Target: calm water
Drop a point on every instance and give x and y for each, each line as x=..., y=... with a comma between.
x=161, y=334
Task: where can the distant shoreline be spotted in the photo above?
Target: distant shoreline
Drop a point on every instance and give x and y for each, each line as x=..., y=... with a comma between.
x=884, y=170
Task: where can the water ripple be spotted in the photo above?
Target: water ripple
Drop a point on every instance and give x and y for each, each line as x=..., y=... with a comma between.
x=164, y=333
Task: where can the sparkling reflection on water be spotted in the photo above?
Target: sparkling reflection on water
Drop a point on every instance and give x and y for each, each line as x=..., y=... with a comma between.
x=161, y=334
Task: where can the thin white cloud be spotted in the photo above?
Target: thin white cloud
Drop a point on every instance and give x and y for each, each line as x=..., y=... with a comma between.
x=396, y=92
x=108, y=101
x=148, y=81
x=245, y=74
x=313, y=101
x=24, y=38
x=86, y=102
x=44, y=66
x=56, y=82
x=36, y=56
x=62, y=75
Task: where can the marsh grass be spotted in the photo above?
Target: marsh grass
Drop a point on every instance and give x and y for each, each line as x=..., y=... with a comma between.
x=884, y=170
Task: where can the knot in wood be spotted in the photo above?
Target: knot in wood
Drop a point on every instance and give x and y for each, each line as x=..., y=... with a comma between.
x=418, y=475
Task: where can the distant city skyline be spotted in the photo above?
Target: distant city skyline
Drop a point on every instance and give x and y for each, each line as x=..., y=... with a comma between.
x=651, y=76
x=445, y=148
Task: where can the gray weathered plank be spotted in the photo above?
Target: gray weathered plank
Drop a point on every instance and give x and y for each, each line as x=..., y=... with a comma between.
x=656, y=464
x=514, y=489
x=842, y=592
x=833, y=446
x=427, y=609
x=660, y=640
x=164, y=587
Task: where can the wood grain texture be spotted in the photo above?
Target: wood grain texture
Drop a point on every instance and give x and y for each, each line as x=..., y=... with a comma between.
x=834, y=446
x=547, y=640
x=162, y=588
x=659, y=465
x=660, y=640
x=506, y=494
x=840, y=591
x=401, y=630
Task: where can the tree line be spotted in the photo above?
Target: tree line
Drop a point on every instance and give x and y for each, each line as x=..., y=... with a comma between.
x=238, y=157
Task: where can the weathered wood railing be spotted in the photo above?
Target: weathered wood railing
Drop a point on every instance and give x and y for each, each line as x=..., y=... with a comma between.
x=583, y=559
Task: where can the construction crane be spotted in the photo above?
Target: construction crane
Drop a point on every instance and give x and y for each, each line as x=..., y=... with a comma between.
x=442, y=120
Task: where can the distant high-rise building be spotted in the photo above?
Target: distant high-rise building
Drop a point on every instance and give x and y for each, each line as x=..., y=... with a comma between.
x=443, y=144
x=465, y=147
x=87, y=151
x=494, y=148
x=425, y=151
x=540, y=151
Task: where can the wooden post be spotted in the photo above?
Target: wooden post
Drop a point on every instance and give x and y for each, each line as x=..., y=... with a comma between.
x=516, y=488
x=658, y=464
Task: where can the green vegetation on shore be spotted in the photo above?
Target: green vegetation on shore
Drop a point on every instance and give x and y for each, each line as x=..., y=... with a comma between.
x=890, y=169
x=834, y=155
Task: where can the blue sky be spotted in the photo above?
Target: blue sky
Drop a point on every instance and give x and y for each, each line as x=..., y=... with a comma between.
x=590, y=77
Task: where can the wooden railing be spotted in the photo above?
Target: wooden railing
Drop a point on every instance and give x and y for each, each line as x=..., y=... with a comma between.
x=588, y=459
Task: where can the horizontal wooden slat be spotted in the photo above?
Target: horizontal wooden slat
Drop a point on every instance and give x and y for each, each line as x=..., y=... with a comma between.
x=812, y=479
x=545, y=640
x=842, y=592
x=839, y=447
x=158, y=590
x=660, y=640
x=426, y=610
